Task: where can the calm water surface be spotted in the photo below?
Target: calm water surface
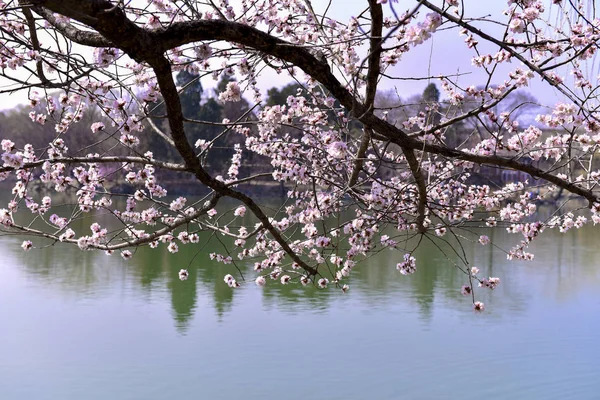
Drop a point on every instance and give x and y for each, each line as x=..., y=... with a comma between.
x=82, y=325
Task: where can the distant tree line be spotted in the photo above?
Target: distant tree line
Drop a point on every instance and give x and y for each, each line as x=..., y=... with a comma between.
x=204, y=115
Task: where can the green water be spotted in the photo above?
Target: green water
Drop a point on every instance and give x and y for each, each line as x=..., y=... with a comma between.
x=83, y=325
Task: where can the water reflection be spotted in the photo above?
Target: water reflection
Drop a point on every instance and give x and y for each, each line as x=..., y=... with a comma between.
x=86, y=325
x=564, y=266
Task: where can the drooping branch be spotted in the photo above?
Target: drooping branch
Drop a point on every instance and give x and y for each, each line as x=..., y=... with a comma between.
x=35, y=43
x=100, y=160
x=179, y=221
x=168, y=89
x=415, y=169
x=373, y=75
x=160, y=133
x=374, y=57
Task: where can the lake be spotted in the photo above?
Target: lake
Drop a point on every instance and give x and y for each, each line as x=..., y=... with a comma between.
x=83, y=325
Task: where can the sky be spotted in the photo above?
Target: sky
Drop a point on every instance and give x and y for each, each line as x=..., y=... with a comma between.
x=444, y=53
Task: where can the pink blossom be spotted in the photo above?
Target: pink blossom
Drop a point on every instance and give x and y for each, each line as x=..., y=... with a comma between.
x=240, y=211
x=230, y=281
x=183, y=274
x=337, y=149
x=517, y=25
x=322, y=283
x=178, y=204
x=261, y=281
x=231, y=93
x=408, y=266
x=172, y=247
x=105, y=56
x=7, y=145
x=12, y=160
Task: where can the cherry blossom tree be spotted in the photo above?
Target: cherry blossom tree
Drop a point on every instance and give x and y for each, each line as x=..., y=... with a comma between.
x=358, y=181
